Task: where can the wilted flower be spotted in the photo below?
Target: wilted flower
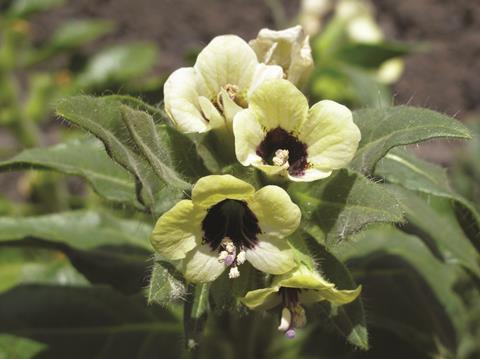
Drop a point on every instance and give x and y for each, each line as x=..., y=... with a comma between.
x=289, y=291
x=289, y=48
x=207, y=95
x=280, y=135
x=225, y=224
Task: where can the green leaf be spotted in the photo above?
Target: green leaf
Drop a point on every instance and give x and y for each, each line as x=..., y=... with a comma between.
x=166, y=284
x=185, y=157
x=119, y=64
x=86, y=158
x=23, y=8
x=435, y=217
x=142, y=130
x=410, y=292
x=12, y=347
x=78, y=229
x=348, y=319
x=195, y=313
x=103, y=248
x=103, y=118
x=88, y=322
x=343, y=204
x=76, y=33
x=371, y=55
x=368, y=90
x=385, y=128
x=23, y=266
x=402, y=168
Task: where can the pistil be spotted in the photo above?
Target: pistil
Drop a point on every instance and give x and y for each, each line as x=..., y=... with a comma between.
x=293, y=315
x=231, y=257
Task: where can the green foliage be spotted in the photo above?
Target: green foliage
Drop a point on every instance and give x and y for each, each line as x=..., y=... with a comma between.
x=86, y=158
x=119, y=132
x=350, y=319
x=23, y=8
x=88, y=322
x=343, y=204
x=410, y=292
x=118, y=64
x=20, y=348
x=104, y=248
x=385, y=128
x=371, y=55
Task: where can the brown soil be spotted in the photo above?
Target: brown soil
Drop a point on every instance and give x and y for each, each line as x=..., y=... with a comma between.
x=445, y=78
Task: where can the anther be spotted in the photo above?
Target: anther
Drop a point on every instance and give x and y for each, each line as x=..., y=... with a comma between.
x=281, y=157
x=233, y=273
x=241, y=257
x=285, y=320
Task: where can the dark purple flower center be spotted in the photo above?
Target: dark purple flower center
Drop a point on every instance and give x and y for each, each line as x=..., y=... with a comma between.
x=279, y=139
x=289, y=296
x=233, y=219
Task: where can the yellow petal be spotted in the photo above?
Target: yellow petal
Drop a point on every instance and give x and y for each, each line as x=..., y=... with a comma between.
x=331, y=136
x=181, y=101
x=201, y=265
x=174, y=234
x=278, y=103
x=226, y=60
x=277, y=215
x=262, y=299
x=212, y=189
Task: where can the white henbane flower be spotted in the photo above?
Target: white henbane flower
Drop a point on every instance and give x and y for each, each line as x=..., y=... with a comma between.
x=289, y=291
x=207, y=95
x=289, y=48
x=280, y=135
x=225, y=224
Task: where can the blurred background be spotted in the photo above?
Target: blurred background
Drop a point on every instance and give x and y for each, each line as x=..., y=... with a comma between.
x=129, y=47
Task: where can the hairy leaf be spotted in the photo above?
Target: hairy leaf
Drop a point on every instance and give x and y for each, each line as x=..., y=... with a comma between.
x=343, y=204
x=86, y=158
x=166, y=284
x=104, y=118
x=385, y=128
x=143, y=131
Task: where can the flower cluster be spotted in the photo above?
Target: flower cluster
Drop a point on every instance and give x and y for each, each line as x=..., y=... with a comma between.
x=246, y=95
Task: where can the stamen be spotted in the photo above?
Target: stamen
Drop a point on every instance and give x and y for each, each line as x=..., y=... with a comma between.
x=299, y=317
x=285, y=320
x=241, y=257
x=233, y=273
x=227, y=243
x=281, y=157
